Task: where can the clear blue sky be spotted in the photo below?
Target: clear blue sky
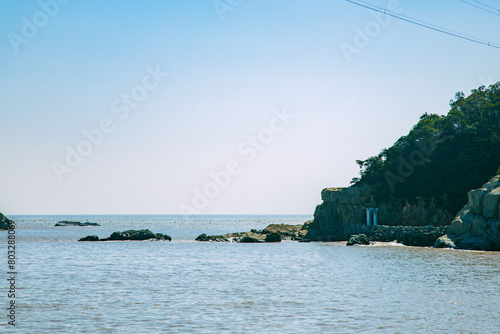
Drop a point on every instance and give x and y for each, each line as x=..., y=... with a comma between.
x=85, y=65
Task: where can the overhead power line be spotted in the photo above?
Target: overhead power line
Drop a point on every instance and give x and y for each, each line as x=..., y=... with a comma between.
x=495, y=11
x=423, y=24
x=485, y=5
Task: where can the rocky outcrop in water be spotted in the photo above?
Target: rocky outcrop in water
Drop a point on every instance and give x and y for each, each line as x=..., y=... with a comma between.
x=90, y=238
x=477, y=225
x=272, y=233
x=6, y=223
x=136, y=235
x=244, y=237
x=71, y=223
x=359, y=239
x=254, y=236
x=213, y=238
x=344, y=209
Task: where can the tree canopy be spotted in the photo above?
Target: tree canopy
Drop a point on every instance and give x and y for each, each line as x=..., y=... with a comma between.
x=442, y=157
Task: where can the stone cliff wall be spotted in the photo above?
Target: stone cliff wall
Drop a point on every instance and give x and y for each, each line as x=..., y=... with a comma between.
x=341, y=207
x=477, y=225
x=345, y=208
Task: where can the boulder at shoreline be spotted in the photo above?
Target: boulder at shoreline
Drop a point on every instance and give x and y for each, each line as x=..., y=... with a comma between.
x=444, y=242
x=359, y=239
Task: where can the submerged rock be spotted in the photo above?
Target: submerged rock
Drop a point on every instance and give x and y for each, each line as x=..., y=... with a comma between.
x=71, y=223
x=360, y=239
x=137, y=235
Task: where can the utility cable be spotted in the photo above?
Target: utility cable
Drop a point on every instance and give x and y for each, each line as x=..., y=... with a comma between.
x=497, y=13
x=423, y=24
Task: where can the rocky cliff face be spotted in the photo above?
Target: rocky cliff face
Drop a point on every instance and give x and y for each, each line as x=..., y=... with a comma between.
x=477, y=225
x=341, y=207
x=344, y=209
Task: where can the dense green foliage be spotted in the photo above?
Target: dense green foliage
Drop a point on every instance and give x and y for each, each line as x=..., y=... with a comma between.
x=442, y=157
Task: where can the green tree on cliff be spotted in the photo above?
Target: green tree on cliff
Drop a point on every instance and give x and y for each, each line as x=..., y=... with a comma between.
x=442, y=157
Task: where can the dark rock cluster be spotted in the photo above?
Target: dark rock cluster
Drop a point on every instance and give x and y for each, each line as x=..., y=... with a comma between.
x=137, y=235
x=408, y=235
x=359, y=239
x=272, y=233
x=71, y=223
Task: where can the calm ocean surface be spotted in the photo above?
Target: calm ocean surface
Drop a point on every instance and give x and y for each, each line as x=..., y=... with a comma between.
x=65, y=286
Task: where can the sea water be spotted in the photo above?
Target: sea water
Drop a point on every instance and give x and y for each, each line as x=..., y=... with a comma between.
x=66, y=286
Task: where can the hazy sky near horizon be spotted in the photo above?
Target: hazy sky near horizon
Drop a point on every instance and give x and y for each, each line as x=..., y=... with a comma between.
x=217, y=107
